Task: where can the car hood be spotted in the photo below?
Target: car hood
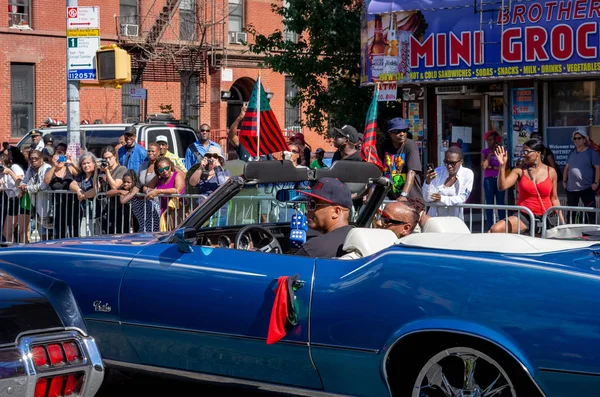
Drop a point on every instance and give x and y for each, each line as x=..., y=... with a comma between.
x=23, y=309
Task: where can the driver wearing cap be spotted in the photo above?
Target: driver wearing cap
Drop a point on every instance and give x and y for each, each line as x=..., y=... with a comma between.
x=329, y=203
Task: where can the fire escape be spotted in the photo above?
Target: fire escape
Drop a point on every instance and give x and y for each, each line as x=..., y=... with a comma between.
x=158, y=53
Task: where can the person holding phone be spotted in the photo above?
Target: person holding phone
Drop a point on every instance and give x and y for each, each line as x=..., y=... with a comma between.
x=448, y=185
x=59, y=178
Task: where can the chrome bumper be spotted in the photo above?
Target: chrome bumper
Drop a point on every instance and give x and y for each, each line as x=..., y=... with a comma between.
x=19, y=375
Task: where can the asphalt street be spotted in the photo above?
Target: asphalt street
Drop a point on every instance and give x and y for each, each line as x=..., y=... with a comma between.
x=121, y=384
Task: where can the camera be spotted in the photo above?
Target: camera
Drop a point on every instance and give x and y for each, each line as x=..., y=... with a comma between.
x=210, y=161
x=103, y=163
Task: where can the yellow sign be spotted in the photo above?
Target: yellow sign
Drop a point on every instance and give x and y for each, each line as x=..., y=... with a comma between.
x=82, y=32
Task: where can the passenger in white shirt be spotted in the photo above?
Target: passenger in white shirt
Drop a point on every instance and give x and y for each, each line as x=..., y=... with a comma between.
x=10, y=177
x=449, y=185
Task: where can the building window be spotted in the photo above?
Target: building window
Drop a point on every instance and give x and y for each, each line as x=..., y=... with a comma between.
x=190, y=99
x=236, y=15
x=288, y=35
x=187, y=20
x=22, y=84
x=19, y=12
x=292, y=113
x=129, y=17
x=131, y=108
x=573, y=103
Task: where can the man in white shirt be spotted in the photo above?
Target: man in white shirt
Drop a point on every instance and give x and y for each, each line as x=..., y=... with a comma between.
x=448, y=185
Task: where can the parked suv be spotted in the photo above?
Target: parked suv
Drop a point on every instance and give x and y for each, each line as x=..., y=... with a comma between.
x=95, y=136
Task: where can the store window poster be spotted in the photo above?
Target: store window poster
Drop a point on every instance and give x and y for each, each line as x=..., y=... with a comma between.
x=523, y=118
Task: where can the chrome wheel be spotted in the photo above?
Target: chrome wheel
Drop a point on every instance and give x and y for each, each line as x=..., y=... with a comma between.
x=462, y=372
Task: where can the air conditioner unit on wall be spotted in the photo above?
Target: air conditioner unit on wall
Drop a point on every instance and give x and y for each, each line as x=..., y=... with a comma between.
x=237, y=37
x=129, y=30
x=455, y=89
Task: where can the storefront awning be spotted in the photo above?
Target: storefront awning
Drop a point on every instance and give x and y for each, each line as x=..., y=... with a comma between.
x=386, y=6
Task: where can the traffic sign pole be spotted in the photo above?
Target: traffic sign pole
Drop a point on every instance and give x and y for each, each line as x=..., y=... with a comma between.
x=73, y=135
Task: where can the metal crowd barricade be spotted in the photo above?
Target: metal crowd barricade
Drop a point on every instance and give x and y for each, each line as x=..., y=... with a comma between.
x=571, y=215
x=474, y=214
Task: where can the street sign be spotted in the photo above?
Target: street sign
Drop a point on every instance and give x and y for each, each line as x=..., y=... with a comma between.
x=83, y=17
x=82, y=32
x=138, y=93
x=388, y=91
x=82, y=57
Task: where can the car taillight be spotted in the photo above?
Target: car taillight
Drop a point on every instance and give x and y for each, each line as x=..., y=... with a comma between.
x=56, y=385
x=73, y=386
x=39, y=356
x=40, y=387
x=56, y=354
x=72, y=352
x=59, y=386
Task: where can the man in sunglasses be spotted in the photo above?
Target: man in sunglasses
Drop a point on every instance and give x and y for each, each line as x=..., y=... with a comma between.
x=400, y=155
x=449, y=185
x=345, y=140
x=401, y=217
x=328, y=212
x=197, y=150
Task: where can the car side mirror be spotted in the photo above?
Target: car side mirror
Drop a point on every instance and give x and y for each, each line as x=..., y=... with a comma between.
x=185, y=238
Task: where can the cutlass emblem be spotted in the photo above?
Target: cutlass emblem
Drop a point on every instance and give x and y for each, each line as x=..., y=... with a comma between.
x=99, y=307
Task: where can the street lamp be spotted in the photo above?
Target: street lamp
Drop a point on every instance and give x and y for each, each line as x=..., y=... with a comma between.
x=225, y=95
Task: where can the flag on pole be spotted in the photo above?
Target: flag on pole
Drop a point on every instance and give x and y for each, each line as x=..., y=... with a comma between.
x=368, y=150
x=260, y=133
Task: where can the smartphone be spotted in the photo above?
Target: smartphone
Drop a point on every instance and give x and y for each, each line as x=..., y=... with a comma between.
x=430, y=167
x=246, y=105
x=62, y=159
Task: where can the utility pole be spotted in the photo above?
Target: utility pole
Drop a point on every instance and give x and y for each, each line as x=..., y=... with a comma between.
x=73, y=135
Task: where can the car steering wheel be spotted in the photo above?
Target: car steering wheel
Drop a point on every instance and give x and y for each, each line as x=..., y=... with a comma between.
x=246, y=233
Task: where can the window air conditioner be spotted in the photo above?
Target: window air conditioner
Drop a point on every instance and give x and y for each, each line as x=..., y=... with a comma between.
x=129, y=30
x=237, y=37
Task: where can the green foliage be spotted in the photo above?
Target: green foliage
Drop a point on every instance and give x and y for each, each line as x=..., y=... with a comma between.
x=327, y=50
x=166, y=109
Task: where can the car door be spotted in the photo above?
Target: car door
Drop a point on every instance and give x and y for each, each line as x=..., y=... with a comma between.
x=208, y=311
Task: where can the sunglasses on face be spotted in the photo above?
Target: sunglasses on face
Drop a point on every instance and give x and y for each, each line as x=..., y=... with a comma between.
x=211, y=156
x=451, y=163
x=161, y=170
x=34, y=158
x=386, y=220
x=396, y=132
x=526, y=152
x=205, y=130
x=312, y=204
x=577, y=138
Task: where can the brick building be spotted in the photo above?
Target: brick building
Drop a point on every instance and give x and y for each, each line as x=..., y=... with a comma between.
x=188, y=54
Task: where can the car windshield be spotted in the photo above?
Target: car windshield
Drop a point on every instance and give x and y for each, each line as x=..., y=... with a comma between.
x=258, y=203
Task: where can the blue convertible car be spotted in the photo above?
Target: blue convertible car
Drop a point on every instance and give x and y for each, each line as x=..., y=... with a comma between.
x=438, y=313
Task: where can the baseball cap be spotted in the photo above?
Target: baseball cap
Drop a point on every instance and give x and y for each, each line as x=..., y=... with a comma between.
x=48, y=151
x=319, y=150
x=331, y=190
x=398, y=123
x=361, y=136
x=161, y=138
x=35, y=133
x=130, y=130
x=580, y=132
x=349, y=132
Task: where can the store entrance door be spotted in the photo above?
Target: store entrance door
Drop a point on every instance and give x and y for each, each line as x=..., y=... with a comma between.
x=460, y=123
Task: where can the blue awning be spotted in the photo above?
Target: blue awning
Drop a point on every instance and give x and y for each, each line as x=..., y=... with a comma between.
x=386, y=6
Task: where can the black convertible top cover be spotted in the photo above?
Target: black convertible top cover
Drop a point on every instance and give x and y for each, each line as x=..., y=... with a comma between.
x=275, y=171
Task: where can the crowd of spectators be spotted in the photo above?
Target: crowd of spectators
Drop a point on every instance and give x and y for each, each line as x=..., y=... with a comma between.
x=133, y=188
